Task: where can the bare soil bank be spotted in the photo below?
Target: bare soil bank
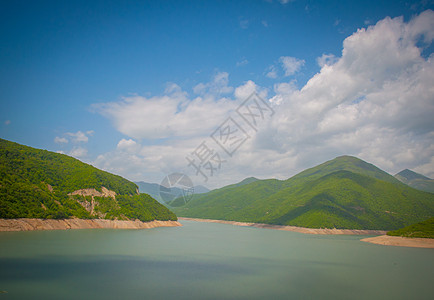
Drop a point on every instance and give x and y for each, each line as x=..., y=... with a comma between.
x=42, y=224
x=400, y=241
x=294, y=228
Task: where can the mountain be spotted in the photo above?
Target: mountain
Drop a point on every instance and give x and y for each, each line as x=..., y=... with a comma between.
x=416, y=180
x=423, y=229
x=345, y=192
x=42, y=184
x=153, y=189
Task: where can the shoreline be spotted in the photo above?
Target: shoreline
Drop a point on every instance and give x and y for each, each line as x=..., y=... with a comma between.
x=24, y=224
x=400, y=241
x=293, y=228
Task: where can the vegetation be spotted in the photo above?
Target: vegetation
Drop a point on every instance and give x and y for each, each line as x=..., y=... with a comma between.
x=423, y=229
x=342, y=193
x=36, y=184
x=416, y=180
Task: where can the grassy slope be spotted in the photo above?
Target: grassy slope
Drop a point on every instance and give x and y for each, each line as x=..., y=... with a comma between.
x=343, y=193
x=423, y=229
x=26, y=174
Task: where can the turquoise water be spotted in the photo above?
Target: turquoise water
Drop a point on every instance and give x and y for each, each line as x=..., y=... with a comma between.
x=208, y=261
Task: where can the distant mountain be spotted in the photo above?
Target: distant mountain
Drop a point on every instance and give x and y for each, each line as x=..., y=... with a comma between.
x=153, y=189
x=416, y=180
x=345, y=192
x=423, y=229
x=42, y=184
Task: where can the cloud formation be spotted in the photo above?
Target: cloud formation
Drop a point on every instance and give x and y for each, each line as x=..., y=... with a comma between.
x=76, y=139
x=291, y=65
x=375, y=101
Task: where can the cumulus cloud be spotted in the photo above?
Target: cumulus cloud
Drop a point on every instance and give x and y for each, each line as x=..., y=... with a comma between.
x=76, y=139
x=272, y=72
x=78, y=152
x=172, y=115
x=326, y=59
x=79, y=137
x=374, y=101
x=218, y=86
x=291, y=65
x=60, y=140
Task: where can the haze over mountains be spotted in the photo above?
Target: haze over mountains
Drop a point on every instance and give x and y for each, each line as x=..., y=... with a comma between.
x=345, y=192
x=153, y=189
x=416, y=180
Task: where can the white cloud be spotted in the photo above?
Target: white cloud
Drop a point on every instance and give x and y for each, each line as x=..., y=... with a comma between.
x=172, y=115
x=128, y=145
x=326, y=59
x=60, y=140
x=264, y=23
x=218, y=86
x=76, y=139
x=272, y=72
x=375, y=101
x=79, y=137
x=78, y=152
x=242, y=63
x=249, y=87
x=291, y=65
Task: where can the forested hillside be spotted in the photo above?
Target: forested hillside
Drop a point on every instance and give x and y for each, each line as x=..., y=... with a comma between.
x=37, y=183
x=345, y=192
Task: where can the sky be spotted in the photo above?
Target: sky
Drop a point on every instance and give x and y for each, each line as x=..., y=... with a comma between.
x=220, y=90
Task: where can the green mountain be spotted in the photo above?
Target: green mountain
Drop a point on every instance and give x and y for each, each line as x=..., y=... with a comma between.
x=42, y=184
x=423, y=229
x=345, y=192
x=416, y=180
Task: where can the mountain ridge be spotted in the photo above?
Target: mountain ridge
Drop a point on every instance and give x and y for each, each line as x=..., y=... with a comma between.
x=345, y=192
x=416, y=180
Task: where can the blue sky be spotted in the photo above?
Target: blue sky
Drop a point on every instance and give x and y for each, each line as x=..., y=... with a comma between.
x=71, y=73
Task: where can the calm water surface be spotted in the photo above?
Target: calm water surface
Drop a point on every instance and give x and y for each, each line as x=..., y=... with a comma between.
x=208, y=261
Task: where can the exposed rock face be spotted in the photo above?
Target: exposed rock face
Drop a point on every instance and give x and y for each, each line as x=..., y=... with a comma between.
x=41, y=224
x=90, y=206
x=50, y=188
x=94, y=193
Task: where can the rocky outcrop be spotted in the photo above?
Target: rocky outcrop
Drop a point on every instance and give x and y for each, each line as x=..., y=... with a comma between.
x=94, y=193
x=90, y=205
x=43, y=224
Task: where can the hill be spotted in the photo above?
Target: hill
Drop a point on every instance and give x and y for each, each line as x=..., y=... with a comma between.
x=416, y=180
x=423, y=229
x=345, y=192
x=153, y=189
x=42, y=184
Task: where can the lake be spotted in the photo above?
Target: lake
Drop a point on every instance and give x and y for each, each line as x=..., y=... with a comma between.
x=208, y=261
